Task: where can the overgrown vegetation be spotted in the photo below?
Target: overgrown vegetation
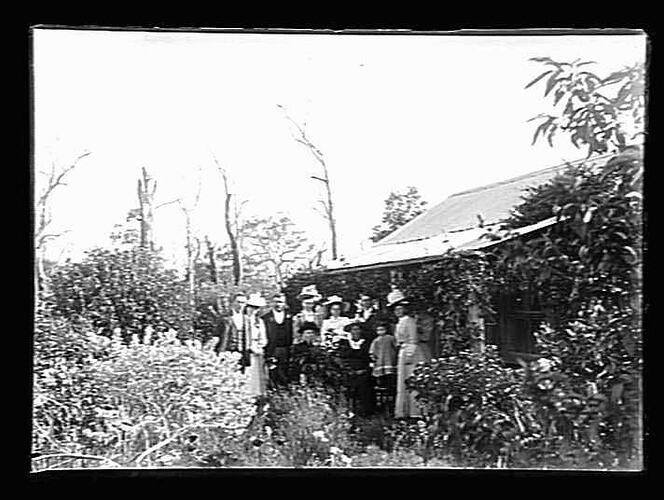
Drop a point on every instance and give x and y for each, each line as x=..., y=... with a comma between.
x=124, y=372
x=129, y=404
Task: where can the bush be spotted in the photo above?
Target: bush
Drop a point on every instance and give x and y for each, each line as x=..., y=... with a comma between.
x=136, y=404
x=321, y=366
x=297, y=427
x=129, y=289
x=474, y=405
x=64, y=398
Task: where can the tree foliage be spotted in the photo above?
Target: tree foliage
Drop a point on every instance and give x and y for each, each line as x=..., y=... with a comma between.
x=274, y=245
x=400, y=207
x=127, y=289
x=602, y=114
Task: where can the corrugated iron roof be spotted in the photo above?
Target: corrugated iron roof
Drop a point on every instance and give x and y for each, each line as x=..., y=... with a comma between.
x=492, y=203
x=454, y=223
x=475, y=238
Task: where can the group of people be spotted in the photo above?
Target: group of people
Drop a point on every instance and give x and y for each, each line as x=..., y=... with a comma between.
x=379, y=348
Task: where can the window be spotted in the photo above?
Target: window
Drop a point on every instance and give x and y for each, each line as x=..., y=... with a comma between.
x=519, y=316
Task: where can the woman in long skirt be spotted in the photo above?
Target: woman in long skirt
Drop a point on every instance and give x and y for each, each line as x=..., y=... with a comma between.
x=256, y=342
x=412, y=350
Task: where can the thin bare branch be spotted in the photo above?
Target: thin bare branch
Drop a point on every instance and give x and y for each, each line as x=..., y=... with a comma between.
x=57, y=180
x=177, y=200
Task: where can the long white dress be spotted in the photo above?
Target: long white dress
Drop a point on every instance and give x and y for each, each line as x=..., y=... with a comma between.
x=412, y=350
x=256, y=342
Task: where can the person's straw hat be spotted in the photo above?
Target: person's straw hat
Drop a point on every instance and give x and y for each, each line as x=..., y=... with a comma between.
x=309, y=292
x=334, y=299
x=395, y=297
x=256, y=300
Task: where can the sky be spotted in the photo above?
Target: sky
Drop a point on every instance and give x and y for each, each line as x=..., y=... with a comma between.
x=441, y=113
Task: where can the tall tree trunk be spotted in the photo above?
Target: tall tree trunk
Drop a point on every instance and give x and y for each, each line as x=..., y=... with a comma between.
x=212, y=261
x=230, y=218
x=318, y=155
x=331, y=219
x=146, y=190
x=232, y=237
x=190, y=260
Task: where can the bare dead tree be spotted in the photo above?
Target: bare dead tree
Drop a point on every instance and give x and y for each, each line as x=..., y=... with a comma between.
x=54, y=178
x=326, y=203
x=146, y=188
x=232, y=214
x=210, y=253
x=192, y=245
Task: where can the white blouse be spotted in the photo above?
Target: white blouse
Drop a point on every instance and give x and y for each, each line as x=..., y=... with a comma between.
x=257, y=337
x=336, y=325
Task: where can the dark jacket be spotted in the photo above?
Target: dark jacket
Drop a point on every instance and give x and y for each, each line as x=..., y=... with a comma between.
x=355, y=360
x=369, y=325
x=230, y=339
x=278, y=335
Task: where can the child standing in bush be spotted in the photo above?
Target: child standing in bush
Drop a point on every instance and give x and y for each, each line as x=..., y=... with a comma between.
x=301, y=351
x=355, y=353
x=383, y=353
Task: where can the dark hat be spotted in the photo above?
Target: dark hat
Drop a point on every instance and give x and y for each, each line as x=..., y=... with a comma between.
x=354, y=323
x=308, y=325
x=384, y=324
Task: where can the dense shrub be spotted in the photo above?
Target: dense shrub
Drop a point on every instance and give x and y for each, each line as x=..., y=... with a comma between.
x=64, y=397
x=136, y=404
x=475, y=407
x=298, y=427
x=129, y=289
x=321, y=366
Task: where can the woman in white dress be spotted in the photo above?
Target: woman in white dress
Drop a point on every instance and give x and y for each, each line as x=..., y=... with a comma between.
x=309, y=297
x=333, y=326
x=256, y=342
x=413, y=349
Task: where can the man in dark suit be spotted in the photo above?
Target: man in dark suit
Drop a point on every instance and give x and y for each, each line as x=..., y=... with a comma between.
x=231, y=329
x=279, y=328
x=368, y=315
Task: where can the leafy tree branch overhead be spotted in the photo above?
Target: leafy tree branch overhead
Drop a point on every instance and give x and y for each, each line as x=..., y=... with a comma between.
x=602, y=114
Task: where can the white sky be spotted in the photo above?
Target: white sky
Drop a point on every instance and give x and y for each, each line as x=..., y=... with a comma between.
x=442, y=113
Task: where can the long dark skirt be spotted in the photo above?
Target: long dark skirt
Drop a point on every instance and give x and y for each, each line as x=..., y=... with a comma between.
x=360, y=393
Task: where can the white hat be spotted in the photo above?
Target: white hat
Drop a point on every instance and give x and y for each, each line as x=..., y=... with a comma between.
x=395, y=297
x=310, y=292
x=256, y=300
x=333, y=299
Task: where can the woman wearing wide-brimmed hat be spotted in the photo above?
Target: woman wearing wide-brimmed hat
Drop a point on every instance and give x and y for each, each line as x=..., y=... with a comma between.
x=333, y=326
x=256, y=342
x=308, y=297
x=413, y=349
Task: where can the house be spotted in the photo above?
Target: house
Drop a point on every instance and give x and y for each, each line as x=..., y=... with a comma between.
x=468, y=221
